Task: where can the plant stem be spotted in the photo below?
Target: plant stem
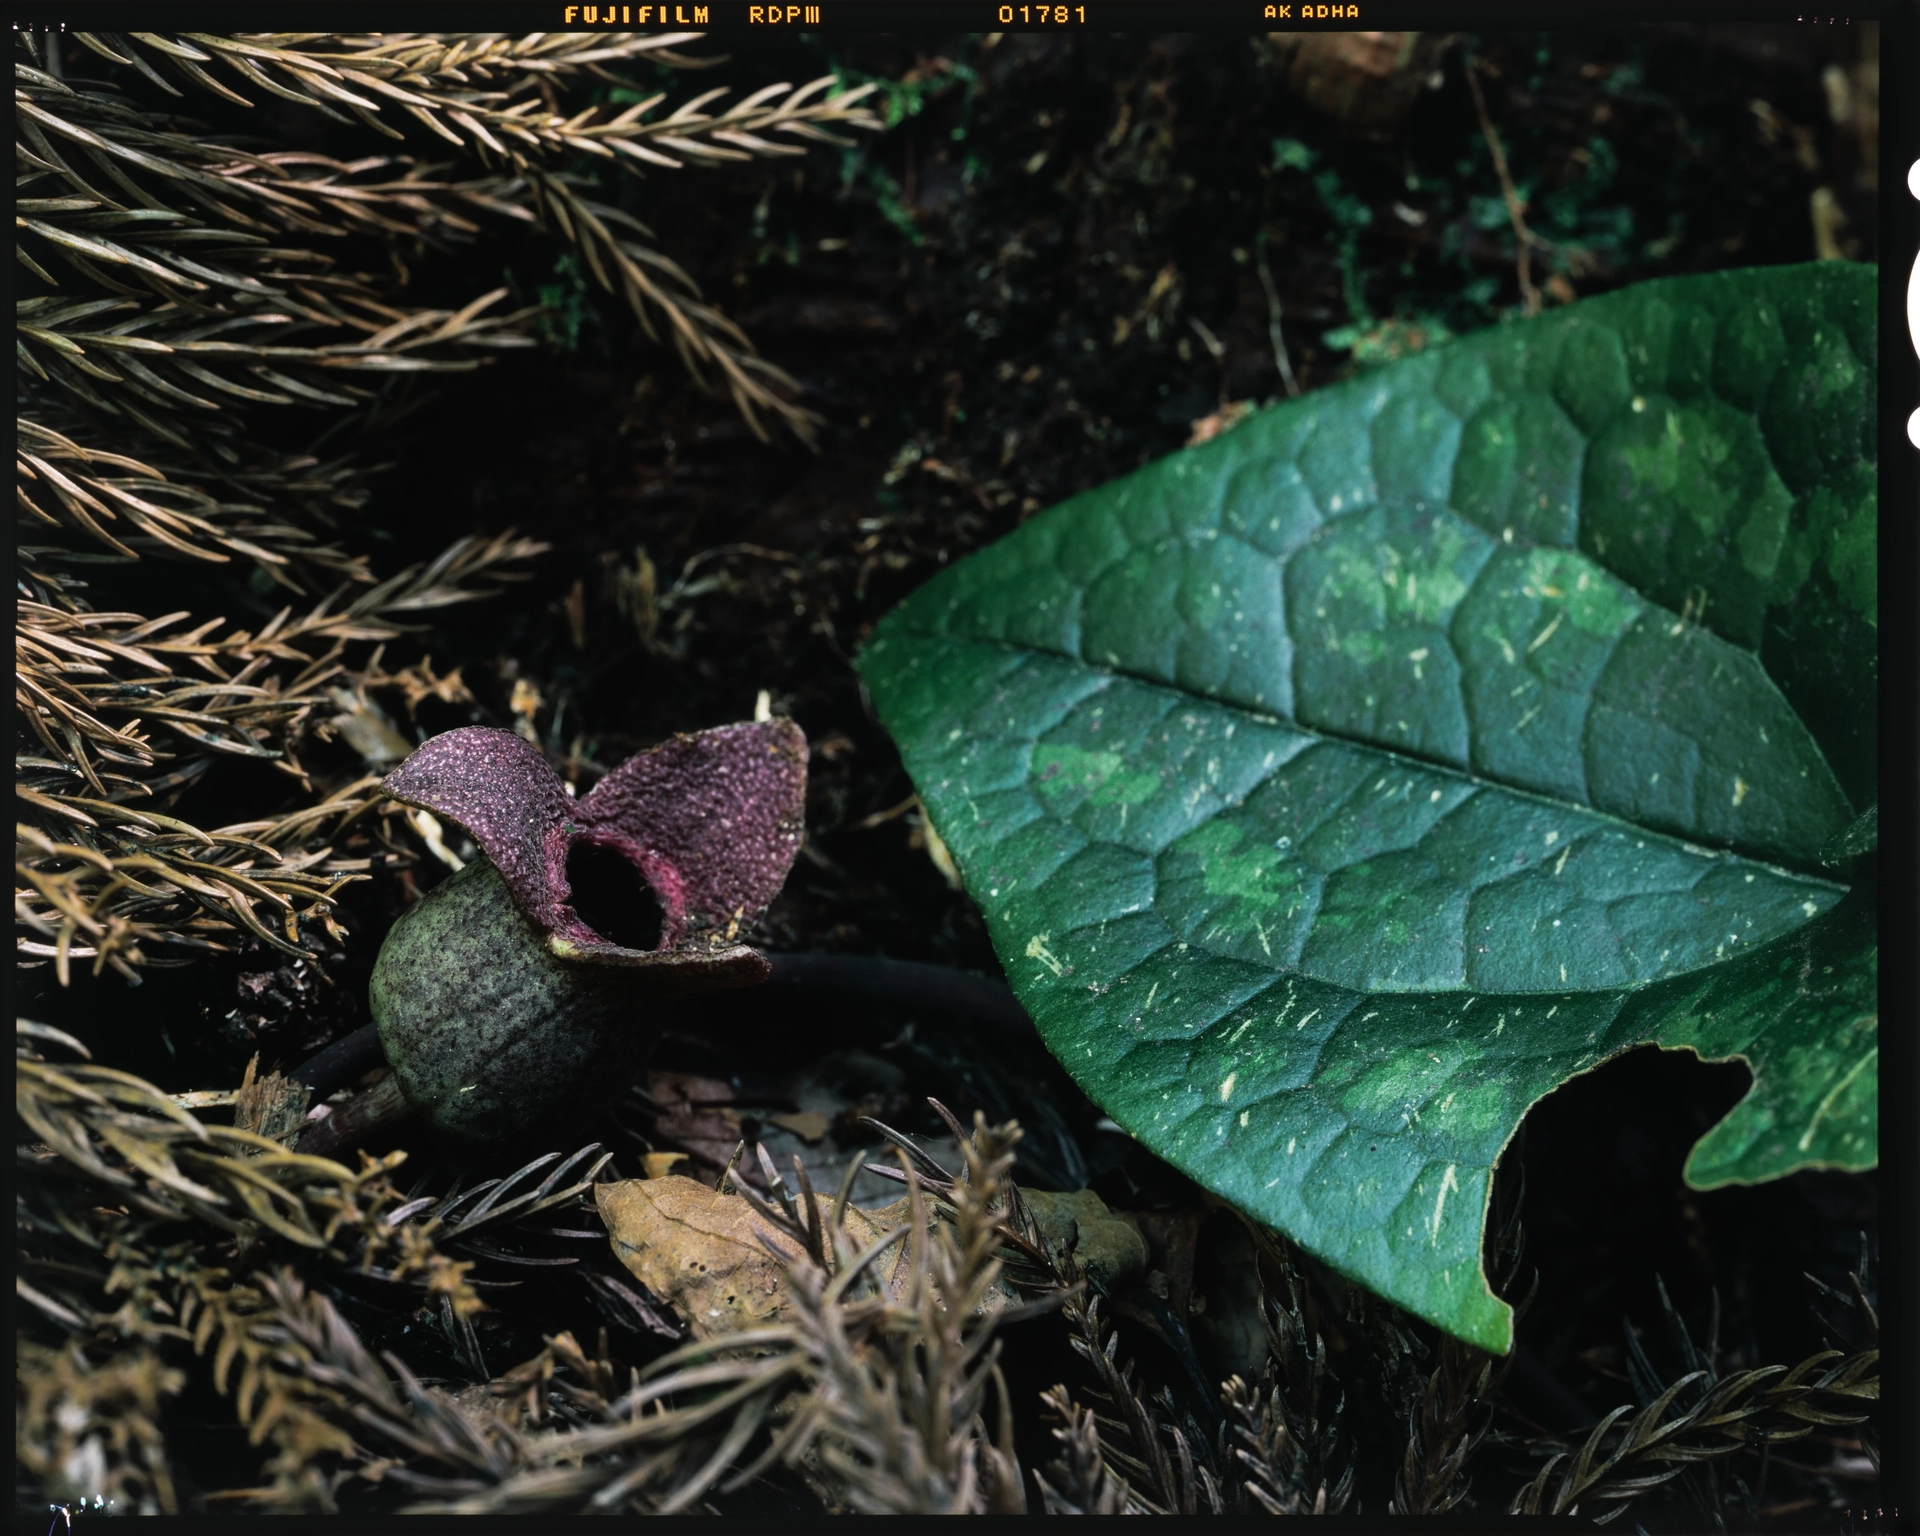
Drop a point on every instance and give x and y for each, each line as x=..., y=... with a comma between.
x=962, y=994
x=341, y=1062
x=351, y=1122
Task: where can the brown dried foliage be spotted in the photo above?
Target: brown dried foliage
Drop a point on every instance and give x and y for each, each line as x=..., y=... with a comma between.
x=198, y=283
x=1291, y=1453
x=1450, y=1410
x=87, y=1428
x=128, y=711
x=494, y=100
x=875, y=1395
x=1681, y=1431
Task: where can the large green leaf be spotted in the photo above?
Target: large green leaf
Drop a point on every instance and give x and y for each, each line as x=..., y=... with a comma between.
x=1336, y=790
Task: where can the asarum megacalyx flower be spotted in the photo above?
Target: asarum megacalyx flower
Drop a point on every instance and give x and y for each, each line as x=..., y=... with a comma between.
x=535, y=981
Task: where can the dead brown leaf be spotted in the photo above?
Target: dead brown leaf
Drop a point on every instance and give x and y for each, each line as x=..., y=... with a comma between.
x=1229, y=416
x=1108, y=1245
x=1365, y=81
x=696, y=1115
x=721, y=1265
x=526, y=701
x=418, y=684
x=367, y=728
x=707, y=1254
x=808, y=1125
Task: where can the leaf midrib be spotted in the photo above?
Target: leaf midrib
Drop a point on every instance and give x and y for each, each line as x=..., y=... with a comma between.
x=1388, y=756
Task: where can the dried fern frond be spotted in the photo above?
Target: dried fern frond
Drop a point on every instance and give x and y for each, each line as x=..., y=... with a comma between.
x=463, y=57
x=94, y=161
x=163, y=359
x=301, y=1379
x=1275, y=1473
x=1446, y=1423
x=368, y=76
x=896, y=1415
x=208, y=292
x=1081, y=1482
x=1629, y=1453
x=1856, y=1304
x=119, y=909
x=118, y=1132
x=87, y=1427
x=1298, y=1383
x=660, y=1447
x=554, y=1434
x=84, y=490
x=631, y=1453
x=99, y=875
x=914, y=1370
x=1022, y=1252
x=295, y=1370
x=471, y=1226
x=489, y=1227
x=1152, y=1457
x=707, y=342
x=213, y=314
x=298, y=1375
x=1452, y=1411
x=519, y=135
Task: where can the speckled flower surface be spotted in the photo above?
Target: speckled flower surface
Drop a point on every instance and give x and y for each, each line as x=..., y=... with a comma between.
x=503, y=997
x=712, y=822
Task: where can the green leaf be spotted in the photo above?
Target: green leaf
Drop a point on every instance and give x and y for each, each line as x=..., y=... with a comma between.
x=1861, y=836
x=1806, y=1006
x=1336, y=790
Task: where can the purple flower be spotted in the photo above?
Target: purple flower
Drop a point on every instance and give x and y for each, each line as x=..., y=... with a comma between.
x=711, y=823
x=503, y=997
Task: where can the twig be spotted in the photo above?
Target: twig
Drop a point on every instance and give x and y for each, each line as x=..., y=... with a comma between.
x=1280, y=358
x=1524, y=239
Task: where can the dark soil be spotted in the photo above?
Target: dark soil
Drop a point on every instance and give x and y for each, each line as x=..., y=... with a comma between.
x=1041, y=279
